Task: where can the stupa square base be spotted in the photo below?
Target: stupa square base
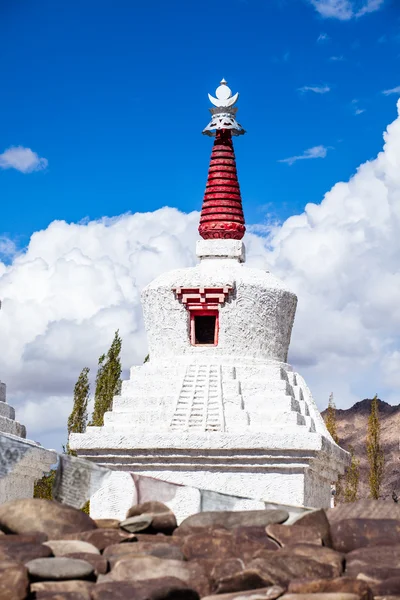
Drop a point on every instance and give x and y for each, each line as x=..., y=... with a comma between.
x=283, y=468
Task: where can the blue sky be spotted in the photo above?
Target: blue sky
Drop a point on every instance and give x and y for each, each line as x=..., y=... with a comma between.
x=113, y=95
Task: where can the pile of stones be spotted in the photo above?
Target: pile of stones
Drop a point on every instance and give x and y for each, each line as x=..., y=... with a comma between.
x=50, y=551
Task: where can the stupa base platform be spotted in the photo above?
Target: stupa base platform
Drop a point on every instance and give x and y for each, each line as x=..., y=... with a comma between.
x=294, y=468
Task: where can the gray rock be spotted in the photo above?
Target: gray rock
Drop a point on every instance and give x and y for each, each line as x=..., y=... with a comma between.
x=267, y=593
x=138, y=523
x=63, y=547
x=233, y=519
x=59, y=568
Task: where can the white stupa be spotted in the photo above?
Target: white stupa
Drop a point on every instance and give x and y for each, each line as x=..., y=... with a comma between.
x=217, y=406
x=29, y=462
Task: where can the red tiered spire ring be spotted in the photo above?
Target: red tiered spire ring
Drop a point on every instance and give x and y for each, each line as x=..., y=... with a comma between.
x=222, y=213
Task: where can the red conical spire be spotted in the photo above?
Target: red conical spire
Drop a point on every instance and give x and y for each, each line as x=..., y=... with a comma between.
x=222, y=213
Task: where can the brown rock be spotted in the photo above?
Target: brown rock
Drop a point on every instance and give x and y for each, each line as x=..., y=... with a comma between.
x=250, y=539
x=107, y=523
x=233, y=519
x=23, y=552
x=374, y=562
x=101, y=538
x=14, y=581
x=247, y=579
x=365, y=509
x=163, y=521
x=59, y=596
x=180, y=532
x=280, y=568
x=224, y=568
x=34, y=537
x=166, y=551
x=99, y=563
x=350, y=534
x=52, y=518
x=220, y=545
x=389, y=587
x=165, y=588
x=138, y=523
x=327, y=596
x=339, y=584
x=268, y=593
x=84, y=588
x=149, y=567
x=287, y=535
x=319, y=520
x=323, y=555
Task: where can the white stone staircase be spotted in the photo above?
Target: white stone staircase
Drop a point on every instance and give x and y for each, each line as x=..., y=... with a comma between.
x=199, y=406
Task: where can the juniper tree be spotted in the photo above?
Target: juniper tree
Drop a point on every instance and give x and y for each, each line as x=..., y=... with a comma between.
x=351, y=479
x=375, y=454
x=77, y=420
x=108, y=381
x=330, y=419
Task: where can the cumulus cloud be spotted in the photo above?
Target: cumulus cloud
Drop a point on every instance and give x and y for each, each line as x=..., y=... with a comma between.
x=22, y=159
x=317, y=89
x=345, y=9
x=75, y=284
x=315, y=152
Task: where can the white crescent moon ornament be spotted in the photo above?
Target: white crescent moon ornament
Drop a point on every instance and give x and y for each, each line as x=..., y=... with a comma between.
x=224, y=96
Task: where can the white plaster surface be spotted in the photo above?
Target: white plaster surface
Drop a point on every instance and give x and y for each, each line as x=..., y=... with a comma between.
x=232, y=418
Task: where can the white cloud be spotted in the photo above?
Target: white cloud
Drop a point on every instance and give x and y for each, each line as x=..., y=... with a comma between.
x=77, y=283
x=395, y=90
x=337, y=58
x=315, y=152
x=22, y=159
x=359, y=111
x=323, y=37
x=345, y=9
x=317, y=89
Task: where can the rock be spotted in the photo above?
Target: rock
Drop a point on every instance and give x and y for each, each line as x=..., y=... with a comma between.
x=59, y=568
x=287, y=535
x=224, y=568
x=247, y=579
x=35, y=537
x=42, y=588
x=339, y=584
x=326, y=556
x=220, y=545
x=139, y=523
x=372, y=560
x=23, y=552
x=165, y=551
x=365, y=509
x=350, y=534
x=107, y=523
x=101, y=538
x=233, y=519
x=149, y=567
x=99, y=563
x=63, y=547
x=280, y=568
x=250, y=539
x=164, y=520
x=165, y=588
x=318, y=520
x=60, y=596
x=14, y=581
x=46, y=516
x=268, y=593
x=389, y=587
x=180, y=532
x=371, y=573
x=327, y=596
